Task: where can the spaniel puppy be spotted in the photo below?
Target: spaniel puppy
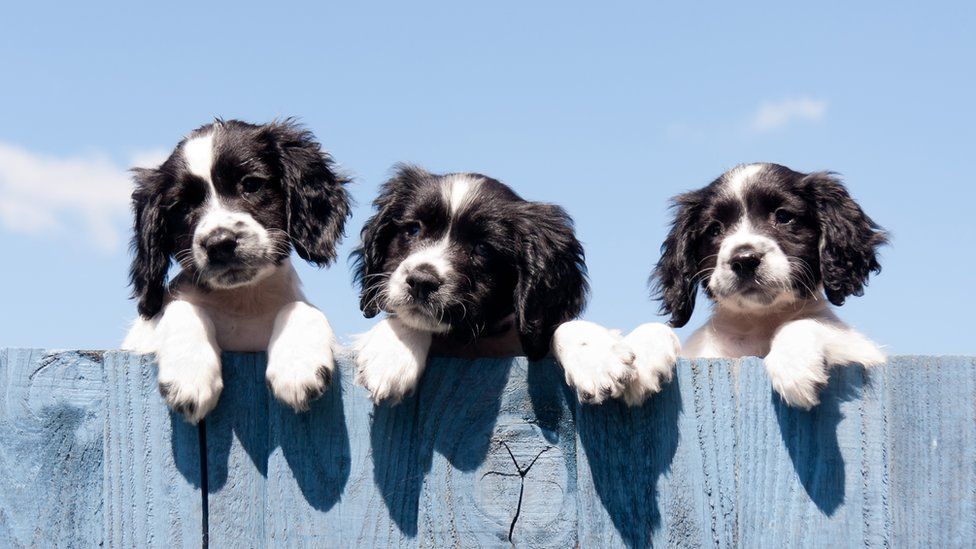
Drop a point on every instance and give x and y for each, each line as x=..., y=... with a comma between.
x=460, y=261
x=770, y=247
x=228, y=205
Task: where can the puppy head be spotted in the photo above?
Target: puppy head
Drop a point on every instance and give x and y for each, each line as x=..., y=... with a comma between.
x=229, y=203
x=457, y=254
x=761, y=236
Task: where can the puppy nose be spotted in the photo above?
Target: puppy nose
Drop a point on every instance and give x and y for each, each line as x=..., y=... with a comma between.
x=220, y=245
x=744, y=264
x=422, y=282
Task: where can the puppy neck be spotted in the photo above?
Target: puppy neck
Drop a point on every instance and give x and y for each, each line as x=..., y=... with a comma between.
x=763, y=322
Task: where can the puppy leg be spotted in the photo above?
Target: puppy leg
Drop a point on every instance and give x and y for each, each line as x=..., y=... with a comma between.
x=797, y=362
x=189, y=360
x=390, y=359
x=597, y=363
x=300, y=359
x=656, y=348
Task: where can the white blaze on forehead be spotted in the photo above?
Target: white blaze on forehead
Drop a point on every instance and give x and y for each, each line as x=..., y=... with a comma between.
x=738, y=177
x=458, y=190
x=198, y=154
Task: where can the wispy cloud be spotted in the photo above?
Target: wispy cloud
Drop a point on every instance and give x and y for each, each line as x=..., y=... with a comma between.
x=50, y=195
x=778, y=114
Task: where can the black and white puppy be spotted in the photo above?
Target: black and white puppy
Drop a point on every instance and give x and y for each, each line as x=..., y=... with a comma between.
x=228, y=205
x=768, y=245
x=461, y=260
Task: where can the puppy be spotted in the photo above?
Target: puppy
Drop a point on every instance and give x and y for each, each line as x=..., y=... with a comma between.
x=228, y=205
x=462, y=261
x=770, y=247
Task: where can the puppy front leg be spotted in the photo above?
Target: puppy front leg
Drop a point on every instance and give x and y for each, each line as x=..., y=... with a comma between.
x=189, y=360
x=390, y=359
x=300, y=359
x=802, y=351
x=656, y=348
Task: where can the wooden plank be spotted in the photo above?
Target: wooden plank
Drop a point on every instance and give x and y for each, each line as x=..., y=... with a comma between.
x=152, y=485
x=51, y=450
x=496, y=441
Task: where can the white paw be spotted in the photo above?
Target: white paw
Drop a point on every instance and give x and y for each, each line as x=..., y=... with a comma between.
x=656, y=348
x=300, y=359
x=797, y=375
x=595, y=360
x=390, y=359
x=190, y=381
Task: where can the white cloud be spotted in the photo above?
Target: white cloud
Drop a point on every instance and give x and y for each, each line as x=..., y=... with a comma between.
x=775, y=115
x=43, y=194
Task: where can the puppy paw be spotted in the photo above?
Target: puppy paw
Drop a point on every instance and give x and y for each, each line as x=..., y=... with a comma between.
x=300, y=359
x=595, y=360
x=390, y=359
x=656, y=349
x=190, y=381
x=297, y=376
x=797, y=375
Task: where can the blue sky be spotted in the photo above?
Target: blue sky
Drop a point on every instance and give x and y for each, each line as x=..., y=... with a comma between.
x=607, y=109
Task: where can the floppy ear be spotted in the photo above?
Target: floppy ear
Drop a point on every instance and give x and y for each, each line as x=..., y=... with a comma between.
x=849, y=239
x=316, y=201
x=552, y=285
x=674, y=279
x=376, y=235
x=151, y=243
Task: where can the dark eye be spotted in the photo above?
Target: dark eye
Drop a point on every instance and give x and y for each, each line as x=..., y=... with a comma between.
x=714, y=229
x=411, y=229
x=784, y=217
x=252, y=184
x=482, y=249
x=179, y=208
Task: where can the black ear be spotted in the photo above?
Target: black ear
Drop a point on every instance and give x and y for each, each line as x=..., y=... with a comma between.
x=376, y=235
x=849, y=239
x=151, y=242
x=675, y=278
x=552, y=283
x=316, y=201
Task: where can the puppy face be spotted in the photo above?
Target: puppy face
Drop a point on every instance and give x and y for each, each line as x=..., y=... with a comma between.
x=457, y=254
x=229, y=203
x=762, y=236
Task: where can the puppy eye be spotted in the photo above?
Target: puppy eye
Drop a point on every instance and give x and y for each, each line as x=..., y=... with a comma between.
x=714, y=229
x=783, y=217
x=252, y=184
x=411, y=229
x=481, y=249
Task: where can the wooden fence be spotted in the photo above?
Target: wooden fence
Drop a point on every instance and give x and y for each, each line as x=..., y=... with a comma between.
x=487, y=453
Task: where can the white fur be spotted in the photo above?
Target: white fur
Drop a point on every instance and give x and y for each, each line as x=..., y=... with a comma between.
x=739, y=177
x=458, y=190
x=800, y=342
x=198, y=154
x=775, y=266
x=390, y=358
x=269, y=314
x=600, y=363
x=300, y=360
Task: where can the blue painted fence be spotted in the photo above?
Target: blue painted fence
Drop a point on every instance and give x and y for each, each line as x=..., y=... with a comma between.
x=487, y=453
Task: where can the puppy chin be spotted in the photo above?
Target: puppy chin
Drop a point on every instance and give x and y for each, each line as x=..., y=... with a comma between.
x=420, y=320
x=752, y=299
x=228, y=278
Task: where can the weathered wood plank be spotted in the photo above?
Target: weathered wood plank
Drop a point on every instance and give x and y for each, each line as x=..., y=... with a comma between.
x=152, y=485
x=488, y=453
x=51, y=451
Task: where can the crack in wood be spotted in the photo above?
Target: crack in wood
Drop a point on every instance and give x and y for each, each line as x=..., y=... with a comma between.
x=521, y=474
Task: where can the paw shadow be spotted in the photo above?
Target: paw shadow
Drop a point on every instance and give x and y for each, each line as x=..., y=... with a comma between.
x=811, y=438
x=453, y=413
x=315, y=444
x=627, y=450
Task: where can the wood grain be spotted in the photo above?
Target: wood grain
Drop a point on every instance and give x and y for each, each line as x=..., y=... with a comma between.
x=488, y=453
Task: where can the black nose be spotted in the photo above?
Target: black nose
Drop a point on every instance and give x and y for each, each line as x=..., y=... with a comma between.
x=422, y=282
x=220, y=245
x=744, y=264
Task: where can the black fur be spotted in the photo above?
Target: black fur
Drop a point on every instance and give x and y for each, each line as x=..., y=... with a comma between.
x=508, y=256
x=827, y=238
x=299, y=199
